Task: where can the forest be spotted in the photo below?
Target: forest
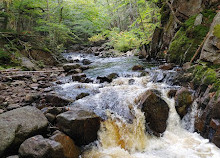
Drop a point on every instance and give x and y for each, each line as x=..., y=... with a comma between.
x=109, y=78
x=60, y=24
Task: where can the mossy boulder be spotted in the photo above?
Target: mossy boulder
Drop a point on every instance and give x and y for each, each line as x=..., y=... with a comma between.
x=188, y=38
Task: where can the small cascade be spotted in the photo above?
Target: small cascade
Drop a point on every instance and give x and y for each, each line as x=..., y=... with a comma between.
x=118, y=139
x=122, y=133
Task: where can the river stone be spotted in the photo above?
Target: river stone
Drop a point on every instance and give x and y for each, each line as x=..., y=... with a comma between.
x=70, y=66
x=167, y=66
x=70, y=150
x=156, y=112
x=137, y=68
x=82, y=95
x=86, y=62
x=55, y=100
x=184, y=100
x=78, y=77
x=19, y=124
x=81, y=126
x=39, y=147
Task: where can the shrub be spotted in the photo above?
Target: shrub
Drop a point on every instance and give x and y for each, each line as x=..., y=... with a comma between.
x=96, y=38
x=5, y=57
x=124, y=41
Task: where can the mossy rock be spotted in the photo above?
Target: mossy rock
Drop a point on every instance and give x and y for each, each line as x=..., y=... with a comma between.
x=187, y=40
x=205, y=76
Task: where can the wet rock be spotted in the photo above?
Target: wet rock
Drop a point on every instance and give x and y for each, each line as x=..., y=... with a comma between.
x=82, y=126
x=51, y=118
x=167, y=66
x=156, y=112
x=216, y=138
x=216, y=110
x=112, y=76
x=55, y=100
x=86, y=62
x=108, y=78
x=97, y=53
x=137, y=68
x=19, y=124
x=87, y=80
x=184, y=100
x=84, y=68
x=70, y=150
x=71, y=66
x=82, y=95
x=78, y=77
x=103, y=79
x=172, y=93
x=39, y=147
x=74, y=71
x=131, y=81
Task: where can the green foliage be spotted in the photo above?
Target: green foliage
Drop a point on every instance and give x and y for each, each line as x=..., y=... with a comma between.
x=123, y=41
x=96, y=38
x=217, y=30
x=5, y=57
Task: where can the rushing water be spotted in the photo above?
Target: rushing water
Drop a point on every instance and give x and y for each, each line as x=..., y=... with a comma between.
x=123, y=134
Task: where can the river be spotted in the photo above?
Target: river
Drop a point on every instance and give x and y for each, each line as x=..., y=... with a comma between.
x=123, y=134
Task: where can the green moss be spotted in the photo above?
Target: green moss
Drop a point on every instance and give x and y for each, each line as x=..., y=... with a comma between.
x=190, y=21
x=217, y=31
x=188, y=38
x=205, y=76
x=209, y=77
x=208, y=15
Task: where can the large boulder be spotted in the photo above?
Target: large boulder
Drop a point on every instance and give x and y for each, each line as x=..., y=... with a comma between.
x=39, y=147
x=210, y=51
x=81, y=126
x=70, y=66
x=18, y=125
x=70, y=150
x=156, y=112
x=184, y=100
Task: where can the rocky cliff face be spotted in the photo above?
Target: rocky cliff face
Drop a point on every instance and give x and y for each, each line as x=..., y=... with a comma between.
x=186, y=28
x=184, y=25
x=211, y=48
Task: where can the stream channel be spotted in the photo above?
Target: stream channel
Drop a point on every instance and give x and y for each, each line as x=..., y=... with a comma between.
x=123, y=134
